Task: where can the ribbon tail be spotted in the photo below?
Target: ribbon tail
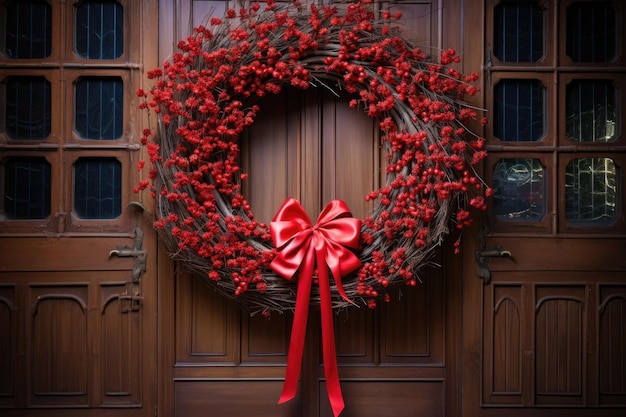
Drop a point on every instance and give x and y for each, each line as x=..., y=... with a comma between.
x=298, y=329
x=331, y=371
x=339, y=284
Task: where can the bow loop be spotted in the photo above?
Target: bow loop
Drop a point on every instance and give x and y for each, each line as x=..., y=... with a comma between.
x=288, y=221
x=345, y=231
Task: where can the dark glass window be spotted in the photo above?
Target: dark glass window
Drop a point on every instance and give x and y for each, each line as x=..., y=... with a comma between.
x=518, y=32
x=98, y=188
x=26, y=188
x=28, y=108
x=28, y=29
x=591, y=32
x=99, y=30
x=590, y=111
x=519, y=111
x=591, y=194
x=99, y=108
x=519, y=190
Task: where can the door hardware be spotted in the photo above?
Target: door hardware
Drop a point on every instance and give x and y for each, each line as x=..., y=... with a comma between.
x=131, y=299
x=494, y=253
x=482, y=259
x=136, y=252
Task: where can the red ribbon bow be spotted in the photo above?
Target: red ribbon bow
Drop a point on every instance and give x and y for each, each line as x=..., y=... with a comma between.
x=300, y=245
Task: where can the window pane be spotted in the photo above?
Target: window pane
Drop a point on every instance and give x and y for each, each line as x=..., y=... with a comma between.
x=591, y=34
x=26, y=188
x=591, y=193
x=28, y=108
x=518, y=32
x=590, y=111
x=28, y=30
x=99, y=30
x=98, y=188
x=519, y=190
x=99, y=108
x=519, y=111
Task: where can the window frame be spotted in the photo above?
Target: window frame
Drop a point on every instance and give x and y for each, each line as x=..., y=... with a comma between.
x=73, y=76
x=566, y=61
x=76, y=224
x=550, y=126
x=548, y=53
x=555, y=71
x=544, y=226
x=619, y=225
x=56, y=101
x=132, y=36
x=55, y=51
x=63, y=146
x=565, y=78
x=48, y=224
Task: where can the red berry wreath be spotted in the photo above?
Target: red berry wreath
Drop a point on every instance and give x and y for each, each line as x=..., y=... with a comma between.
x=211, y=90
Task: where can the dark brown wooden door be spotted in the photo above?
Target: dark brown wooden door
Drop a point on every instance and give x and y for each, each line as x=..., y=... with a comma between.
x=77, y=257
x=314, y=147
x=393, y=361
x=545, y=301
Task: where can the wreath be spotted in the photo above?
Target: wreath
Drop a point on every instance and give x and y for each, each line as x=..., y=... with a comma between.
x=210, y=92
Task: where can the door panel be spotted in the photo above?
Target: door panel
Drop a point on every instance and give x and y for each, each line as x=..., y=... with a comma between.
x=74, y=337
x=546, y=339
x=549, y=256
x=220, y=348
x=77, y=251
x=232, y=398
x=371, y=399
x=311, y=146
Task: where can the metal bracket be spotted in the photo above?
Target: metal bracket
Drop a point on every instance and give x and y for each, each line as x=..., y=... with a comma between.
x=130, y=302
x=136, y=252
x=482, y=260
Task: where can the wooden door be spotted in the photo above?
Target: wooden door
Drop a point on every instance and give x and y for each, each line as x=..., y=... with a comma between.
x=77, y=270
x=234, y=363
x=393, y=361
x=544, y=312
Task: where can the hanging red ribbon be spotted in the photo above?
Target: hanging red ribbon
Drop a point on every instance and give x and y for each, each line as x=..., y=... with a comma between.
x=300, y=245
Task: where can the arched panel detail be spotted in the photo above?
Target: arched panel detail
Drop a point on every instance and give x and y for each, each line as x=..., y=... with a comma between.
x=121, y=348
x=612, y=348
x=555, y=298
x=59, y=355
x=7, y=343
x=608, y=300
x=46, y=297
x=507, y=350
x=559, y=335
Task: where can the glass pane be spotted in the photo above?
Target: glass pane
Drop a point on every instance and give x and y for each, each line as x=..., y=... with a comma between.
x=28, y=30
x=98, y=188
x=518, y=32
x=26, y=188
x=519, y=111
x=28, y=108
x=591, y=34
x=519, y=190
x=590, y=111
x=99, y=30
x=99, y=108
x=591, y=193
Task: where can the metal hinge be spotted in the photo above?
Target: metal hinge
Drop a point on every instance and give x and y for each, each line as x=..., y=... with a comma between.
x=488, y=65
